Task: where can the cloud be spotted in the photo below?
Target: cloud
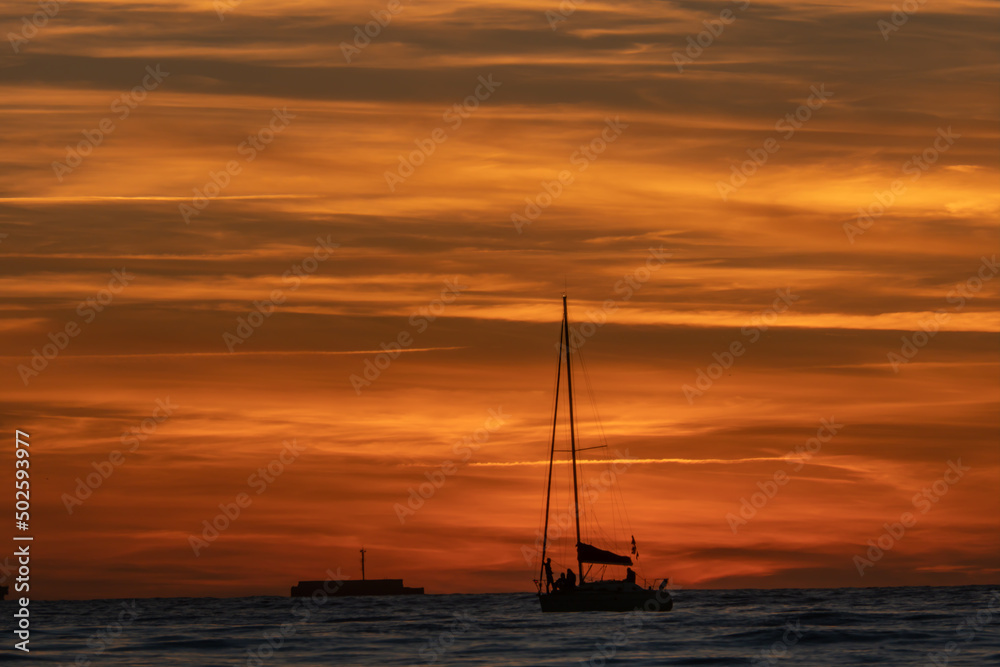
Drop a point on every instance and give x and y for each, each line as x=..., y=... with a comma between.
x=656, y=185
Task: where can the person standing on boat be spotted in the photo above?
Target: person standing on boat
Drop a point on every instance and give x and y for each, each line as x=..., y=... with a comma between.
x=570, y=580
x=548, y=575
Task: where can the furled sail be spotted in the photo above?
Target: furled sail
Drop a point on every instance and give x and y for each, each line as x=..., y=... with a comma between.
x=586, y=553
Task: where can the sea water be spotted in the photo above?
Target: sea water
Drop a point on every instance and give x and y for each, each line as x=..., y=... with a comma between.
x=850, y=626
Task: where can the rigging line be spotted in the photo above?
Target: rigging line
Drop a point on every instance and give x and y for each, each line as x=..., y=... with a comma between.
x=552, y=454
x=587, y=516
x=593, y=513
x=618, y=505
x=614, y=537
x=544, y=513
x=569, y=389
x=563, y=491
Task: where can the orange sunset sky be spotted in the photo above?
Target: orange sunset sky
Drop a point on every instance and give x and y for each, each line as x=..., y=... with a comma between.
x=104, y=166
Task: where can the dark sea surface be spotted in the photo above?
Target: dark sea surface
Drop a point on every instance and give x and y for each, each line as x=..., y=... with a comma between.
x=869, y=626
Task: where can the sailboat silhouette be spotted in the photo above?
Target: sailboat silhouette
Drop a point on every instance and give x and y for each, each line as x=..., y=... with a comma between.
x=587, y=595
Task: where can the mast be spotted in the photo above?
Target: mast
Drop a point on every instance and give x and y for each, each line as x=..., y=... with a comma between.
x=362, y=563
x=572, y=439
x=552, y=454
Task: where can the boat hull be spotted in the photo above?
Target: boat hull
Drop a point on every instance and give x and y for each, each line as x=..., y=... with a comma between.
x=606, y=600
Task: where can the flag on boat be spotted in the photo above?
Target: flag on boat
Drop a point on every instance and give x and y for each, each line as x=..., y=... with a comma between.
x=587, y=553
x=635, y=551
